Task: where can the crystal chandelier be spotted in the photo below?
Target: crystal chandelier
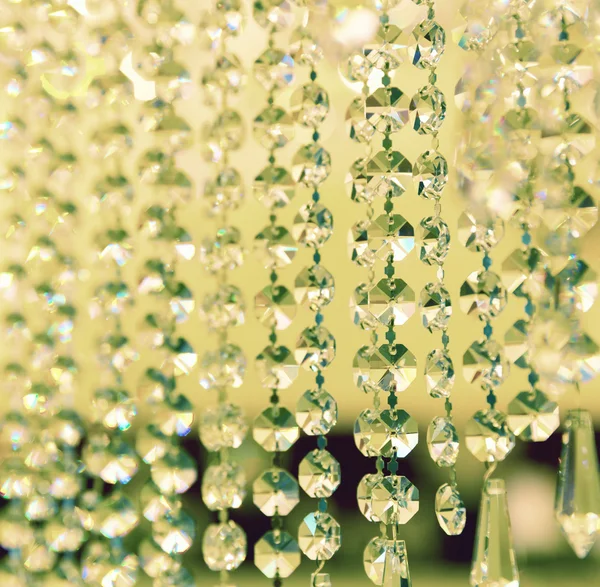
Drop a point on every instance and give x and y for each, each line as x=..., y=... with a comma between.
x=142, y=220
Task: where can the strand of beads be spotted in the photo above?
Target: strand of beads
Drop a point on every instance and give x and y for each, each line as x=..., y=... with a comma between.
x=172, y=469
x=275, y=492
x=389, y=302
x=319, y=534
x=430, y=173
x=564, y=354
x=224, y=481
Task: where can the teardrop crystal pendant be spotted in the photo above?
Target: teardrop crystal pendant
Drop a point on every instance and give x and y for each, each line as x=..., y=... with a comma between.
x=395, y=569
x=577, y=504
x=494, y=560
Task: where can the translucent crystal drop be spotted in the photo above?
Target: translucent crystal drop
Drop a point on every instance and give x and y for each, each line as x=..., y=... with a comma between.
x=484, y=362
x=428, y=46
x=224, y=309
x=577, y=505
x=395, y=567
x=275, y=247
x=370, y=433
x=315, y=348
x=389, y=301
x=436, y=306
x=224, y=251
x=488, y=437
x=439, y=374
x=319, y=473
x=401, y=431
x=313, y=225
x=385, y=109
x=274, y=15
x=387, y=368
x=155, y=505
x=357, y=68
x=430, y=173
x=175, y=473
x=532, y=416
x=483, y=295
x=273, y=128
x=315, y=287
x=395, y=500
x=434, y=240
x=442, y=442
x=479, y=235
x=524, y=273
x=174, y=532
x=309, y=105
x=224, y=486
x=275, y=306
x=311, y=165
x=100, y=566
x=37, y=557
x=274, y=187
x=321, y=580
x=224, y=546
x=276, y=492
x=316, y=412
x=304, y=47
x=277, y=554
x=450, y=510
x=277, y=368
x=358, y=125
x=494, y=559
x=364, y=495
x=319, y=536
x=274, y=69
x=225, y=367
x=222, y=426
x=384, y=51
x=154, y=561
x=428, y=106
x=275, y=429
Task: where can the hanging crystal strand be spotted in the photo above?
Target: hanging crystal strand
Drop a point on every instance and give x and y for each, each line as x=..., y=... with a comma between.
x=532, y=416
x=389, y=368
x=564, y=354
x=167, y=189
x=319, y=534
x=275, y=491
x=430, y=173
x=223, y=427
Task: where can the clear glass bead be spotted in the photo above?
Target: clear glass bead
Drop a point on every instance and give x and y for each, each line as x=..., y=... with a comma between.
x=276, y=491
x=319, y=474
x=316, y=412
x=319, y=536
x=224, y=546
x=275, y=429
x=224, y=486
x=442, y=441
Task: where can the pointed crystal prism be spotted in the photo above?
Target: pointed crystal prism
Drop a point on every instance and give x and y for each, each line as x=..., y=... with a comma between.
x=494, y=559
x=395, y=568
x=577, y=505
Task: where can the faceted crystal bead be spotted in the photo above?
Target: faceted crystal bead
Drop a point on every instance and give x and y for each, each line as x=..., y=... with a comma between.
x=428, y=106
x=370, y=433
x=275, y=429
x=227, y=133
x=395, y=500
x=224, y=486
x=274, y=187
x=435, y=306
x=316, y=412
x=116, y=516
x=273, y=128
x=532, y=416
x=175, y=473
x=315, y=287
x=277, y=554
x=222, y=426
x=37, y=557
x=224, y=192
x=381, y=239
x=309, y=105
x=155, y=505
x=483, y=294
x=224, y=251
x=577, y=505
x=319, y=536
x=358, y=124
x=494, y=560
x=313, y=225
x=384, y=51
x=479, y=235
x=224, y=546
x=374, y=559
x=428, y=46
x=228, y=76
x=175, y=416
x=154, y=561
x=16, y=480
x=430, y=173
x=311, y=165
x=387, y=368
x=224, y=309
x=319, y=473
x=450, y=510
x=174, y=532
x=524, y=273
x=277, y=368
x=224, y=367
x=357, y=68
x=100, y=566
x=274, y=15
x=401, y=431
x=364, y=495
x=434, y=240
x=386, y=109
x=484, y=362
x=442, y=442
x=315, y=348
x=321, y=580
x=517, y=343
x=304, y=46
x=488, y=437
x=15, y=531
x=275, y=306
x=275, y=247
x=275, y=492
x=151, y=444
x=113, y=461
x=64, y=534
x=274, y=69
x=439, y=373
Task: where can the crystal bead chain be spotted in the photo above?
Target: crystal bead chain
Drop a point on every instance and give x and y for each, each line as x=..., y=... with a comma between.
x=275, y=491
x=389, y=368
x=172, y=469
x=319, y=535
x=569, y=214
x=430, y=174
x=223, y=426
